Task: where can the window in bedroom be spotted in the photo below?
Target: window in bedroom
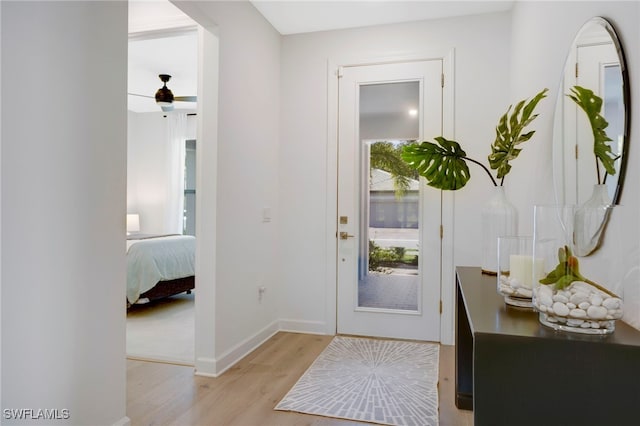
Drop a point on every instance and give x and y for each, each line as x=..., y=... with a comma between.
x=189, y=223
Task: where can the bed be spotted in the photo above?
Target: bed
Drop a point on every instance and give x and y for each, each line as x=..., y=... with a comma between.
x=159, y=266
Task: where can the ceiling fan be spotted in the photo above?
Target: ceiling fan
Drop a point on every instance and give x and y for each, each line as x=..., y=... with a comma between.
x=165, y=98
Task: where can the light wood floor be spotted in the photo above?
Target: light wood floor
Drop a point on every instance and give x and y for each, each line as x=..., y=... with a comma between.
x=165, y=394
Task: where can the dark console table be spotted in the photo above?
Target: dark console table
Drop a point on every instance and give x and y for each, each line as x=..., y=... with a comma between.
x=511, y=370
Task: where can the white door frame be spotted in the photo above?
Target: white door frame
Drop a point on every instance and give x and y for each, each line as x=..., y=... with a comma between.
x=447, y=268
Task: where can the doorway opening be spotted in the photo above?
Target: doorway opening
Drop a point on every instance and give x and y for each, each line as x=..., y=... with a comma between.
x=161, y=180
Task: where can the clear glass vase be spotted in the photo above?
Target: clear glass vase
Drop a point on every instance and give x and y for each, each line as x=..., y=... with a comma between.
x=574, y=294
x=499, y=218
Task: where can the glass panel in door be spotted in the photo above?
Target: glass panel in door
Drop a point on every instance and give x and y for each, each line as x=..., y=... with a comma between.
x=388, y=274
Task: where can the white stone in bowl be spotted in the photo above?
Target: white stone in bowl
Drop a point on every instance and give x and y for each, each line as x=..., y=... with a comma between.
x=597, y=312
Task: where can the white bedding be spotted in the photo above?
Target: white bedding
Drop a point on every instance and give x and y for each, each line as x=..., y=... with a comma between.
x=158, y=259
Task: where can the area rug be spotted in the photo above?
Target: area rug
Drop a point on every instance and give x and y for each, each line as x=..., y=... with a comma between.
x=371, y=380
x=162, y=331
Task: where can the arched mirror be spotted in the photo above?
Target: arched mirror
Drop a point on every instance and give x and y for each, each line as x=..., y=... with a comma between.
x=584, y=174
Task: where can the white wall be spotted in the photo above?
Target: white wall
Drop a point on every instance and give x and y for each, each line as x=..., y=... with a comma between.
x=63, y=209
x=538, y=61
x=305, y=163
x=147, y=168
x=246, y=248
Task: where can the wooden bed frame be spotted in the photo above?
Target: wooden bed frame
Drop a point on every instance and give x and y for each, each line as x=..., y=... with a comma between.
x=170, y=288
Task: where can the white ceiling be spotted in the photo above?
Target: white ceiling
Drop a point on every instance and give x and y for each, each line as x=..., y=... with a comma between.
x=159, y=44
x=303, y=16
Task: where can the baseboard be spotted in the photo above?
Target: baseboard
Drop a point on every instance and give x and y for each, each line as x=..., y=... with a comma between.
x=205, y=367
x=210, y=367
x=125, y=421
x=161, y=359
x=215, y=367
x=301, y=326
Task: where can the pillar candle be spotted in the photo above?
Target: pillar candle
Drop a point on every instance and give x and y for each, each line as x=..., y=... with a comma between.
x=523, y=267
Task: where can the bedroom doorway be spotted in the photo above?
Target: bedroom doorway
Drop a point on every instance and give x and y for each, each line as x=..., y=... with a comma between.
x=161, y=183
x=206, y=134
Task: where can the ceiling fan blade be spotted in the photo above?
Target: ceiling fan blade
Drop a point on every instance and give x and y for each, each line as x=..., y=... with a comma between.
x=185, y=98
x=142, y=96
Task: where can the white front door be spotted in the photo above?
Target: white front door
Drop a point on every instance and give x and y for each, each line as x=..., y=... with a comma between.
x=389, y=245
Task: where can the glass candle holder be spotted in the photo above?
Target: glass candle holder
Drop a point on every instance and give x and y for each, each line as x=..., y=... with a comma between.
x=573, y=294
x=517, y=270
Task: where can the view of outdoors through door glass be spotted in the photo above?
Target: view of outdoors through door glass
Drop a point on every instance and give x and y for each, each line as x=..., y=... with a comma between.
x=388, y=276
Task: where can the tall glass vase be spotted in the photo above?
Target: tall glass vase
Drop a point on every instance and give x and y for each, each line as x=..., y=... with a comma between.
x=499, y=219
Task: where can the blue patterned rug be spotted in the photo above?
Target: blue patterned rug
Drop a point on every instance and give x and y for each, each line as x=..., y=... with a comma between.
x=370, y=380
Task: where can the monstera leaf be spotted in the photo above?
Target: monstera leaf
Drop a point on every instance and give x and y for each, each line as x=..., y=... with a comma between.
x=442, y=164
x=591, y=104
x=509, y=134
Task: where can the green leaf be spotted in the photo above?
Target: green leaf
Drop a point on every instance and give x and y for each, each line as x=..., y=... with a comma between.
x=442, y=164
x=551, y=278
x=591, y=104
x=566, y=272
x=509, y=134
x=564, y=281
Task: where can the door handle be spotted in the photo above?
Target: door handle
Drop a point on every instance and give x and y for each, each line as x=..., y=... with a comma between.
x=344, y=235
